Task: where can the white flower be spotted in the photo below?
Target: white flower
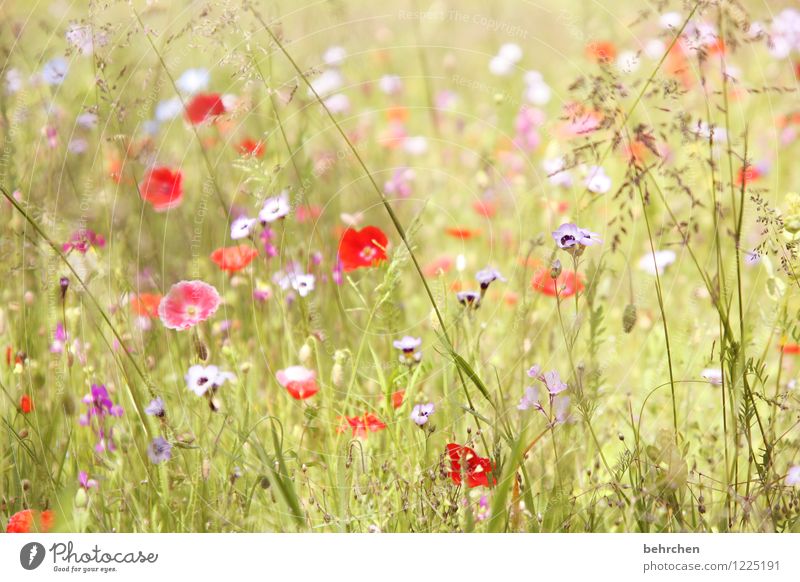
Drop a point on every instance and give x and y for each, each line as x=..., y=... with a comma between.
x=168, y=109
x=556, y=172
x=597, y=181
x=422, y=412
x=656, y=264
x=628, y=62
x=275, y=208
x=390, y=84
x=54, y=71
x=13, y=81
x=671, y=20
x=415, y=145
x=538, y=93
x=335, y=56
x=303, y=284
x=328, y=82
x=200, y=379
x=793, y=476
x=510, y=52
x=193, y=81
x=500, y=66
x=654, y=49
x=712, y=375
x=242, y=227
x=338, y=103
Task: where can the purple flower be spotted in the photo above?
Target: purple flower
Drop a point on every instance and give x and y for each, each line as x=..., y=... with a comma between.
x=530, y=400
x=59, y=340
x=422, y=412
x=553, y=383
x=241, y=227
x=156, y=408
x=400, y=183
x=159, y=450
x=408, y=345
x=469, y=298
x=99, y=407
x=82, y=240
x=793, y=476
x=85, y=482
x=572, y=238
x=202, y=379
x=488, y=276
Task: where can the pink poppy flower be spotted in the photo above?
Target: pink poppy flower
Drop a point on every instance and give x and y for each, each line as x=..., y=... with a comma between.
x=187, y=304
x=300, y=382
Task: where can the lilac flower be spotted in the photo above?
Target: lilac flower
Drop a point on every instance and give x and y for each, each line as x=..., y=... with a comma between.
x=572, y=238
x=400, y=184
x=488, y=276
x=85, y=482
x=408, y=345
x=338, y=272
x=59, y=340
x=159, y=450
x=156, y=408
x=54, y=71
x=206, y=379
x=422, y=412
x=484, y=511
x=713, y=376
x=99, y=407
x=242, y=227
x=275, y=208
x=553, y=383
x=793, y=476
x=597, y=181
x=530, y=400
x=535, y=371
x=266, y=237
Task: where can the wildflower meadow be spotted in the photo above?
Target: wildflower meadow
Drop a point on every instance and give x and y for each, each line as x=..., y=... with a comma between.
x=445, y=266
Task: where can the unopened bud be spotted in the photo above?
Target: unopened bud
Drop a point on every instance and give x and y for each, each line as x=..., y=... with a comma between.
x=629, y=318
x=555, y=269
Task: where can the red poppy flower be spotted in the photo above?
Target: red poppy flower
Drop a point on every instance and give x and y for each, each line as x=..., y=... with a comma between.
x=601, y=51
x=146, y=304
x=485, y=208
x=397, y=398
x=478, y=470
x=362, y=248
x=25, y=521
x=792, y=349
x=204, y=106
x=234, y=259
x=747, y=174
x=162, y=188
x=26, y=404
x=250, y=147
x=362, y=425
x=566, y=285
x=300, y=382
x=462, y=233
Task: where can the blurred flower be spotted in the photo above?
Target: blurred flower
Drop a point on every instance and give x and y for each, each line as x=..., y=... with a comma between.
x=82, y=240
x=192, y=81
x=712, y=375
x=168, y=109
x=26, y=521
x=242, y=227
x=327, y=83
x=793, y=475
x=530, y=399
x=251, y=147
x=100, y=407
x=59, y=339
x=159, y=450
x=391, y=84
x=363, y=425
x=597, y=181
x=557, y=173
x=156, y=408
x=488, y=276
x=54, y=71
x=469, y=298
x=85, y=482
x=536, y=90
x=335, y=56
x=571, y=237
x=26, y=404
x=566, y=285
x=653, y=263
x=187, y=304
x=204, y=107
x=275, y=208
x=162, y=188
x=400, y=184
x=338, y=103
x=233, y=259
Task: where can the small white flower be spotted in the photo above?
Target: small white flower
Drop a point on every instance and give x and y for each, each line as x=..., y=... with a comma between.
x=422, y=412
x=415, y=145
x=168, y=109
x=654, y=49
x=54, y=71
x=335, y=56
x=303, y=284
x=200, y=379
x=511, y=52
x=390, y=84
x=628, y=62
x=656, y=264
x=597, y=181
x=327, y=83
x=275, y=208
x=242, y=227
x=671, y=20
x=338, y=103
x=556, y=172
x=712, y=375
x=193, y=81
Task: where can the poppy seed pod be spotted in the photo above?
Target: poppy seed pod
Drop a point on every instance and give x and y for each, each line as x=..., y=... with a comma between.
x=629, y=318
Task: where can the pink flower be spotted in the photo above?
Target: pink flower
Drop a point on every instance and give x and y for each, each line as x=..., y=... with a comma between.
x=187, y=304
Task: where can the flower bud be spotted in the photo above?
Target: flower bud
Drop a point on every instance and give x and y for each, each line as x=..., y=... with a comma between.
x=81, y=498
x=629, y=318
x=555, y=269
